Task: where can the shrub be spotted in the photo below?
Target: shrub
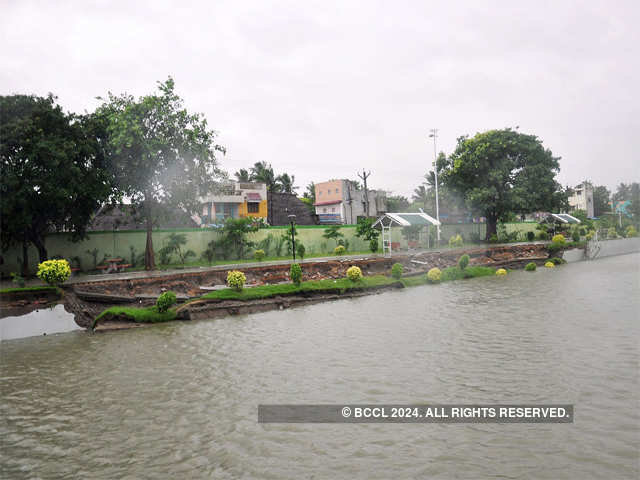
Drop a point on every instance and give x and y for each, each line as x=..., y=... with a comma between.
x=631, y=232
x=296, y=273
x=493, y=238
x=354, y=274
x=433, y=275
x=557, y=261
x=559, y=238
x=611, y=233
x=455, y=241
x=373, y=245
x=531, y=236
x=236, y=280
x=463, y=261
x=54, y=272
x=259, y=255
x=501, y=271
x=165, y=300
x=531, y=267
x=549, y=264
x=554, y=247
x=590, y=234
x=396, y=271
x=300, y=250
x=582, y=231
x=339, y=250
x=575, y=235
x=17, y=279
x=542, y=235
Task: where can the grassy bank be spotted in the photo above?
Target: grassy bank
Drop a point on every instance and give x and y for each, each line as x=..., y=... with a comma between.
x=313, y=286
x=36, y=289
x=339, y=286
x=138, y=315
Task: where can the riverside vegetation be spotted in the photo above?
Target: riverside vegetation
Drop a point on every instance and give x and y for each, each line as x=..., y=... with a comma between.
x=354, y=281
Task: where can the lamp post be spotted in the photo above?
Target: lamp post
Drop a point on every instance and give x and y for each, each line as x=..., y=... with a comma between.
x=292, y=219
x=434, y=135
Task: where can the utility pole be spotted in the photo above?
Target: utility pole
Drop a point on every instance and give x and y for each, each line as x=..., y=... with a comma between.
x=434, y=134
x=364, y=177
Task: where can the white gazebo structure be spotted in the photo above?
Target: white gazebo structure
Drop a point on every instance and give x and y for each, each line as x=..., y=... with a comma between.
x=564, y=218
x=389, y=220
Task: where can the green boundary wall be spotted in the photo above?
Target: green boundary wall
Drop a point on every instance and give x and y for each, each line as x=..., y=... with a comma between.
x=119, y=243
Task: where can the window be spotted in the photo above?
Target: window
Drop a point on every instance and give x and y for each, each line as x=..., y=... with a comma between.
x=253, y=207
x=324, y=210
x=319, y=192
x=337, y=190
x=333, y=209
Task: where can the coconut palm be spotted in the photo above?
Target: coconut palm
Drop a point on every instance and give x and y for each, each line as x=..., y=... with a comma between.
x=286, y=183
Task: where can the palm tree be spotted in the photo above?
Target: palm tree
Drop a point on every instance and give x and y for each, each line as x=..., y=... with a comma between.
x=421, y=194
x=263, y=172
x=310, y=192
x=242, y=175
x=286, y=183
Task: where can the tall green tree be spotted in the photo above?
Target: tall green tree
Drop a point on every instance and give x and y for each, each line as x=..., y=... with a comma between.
x=421, y=195
x=310, y=192
x=54, y=172
x=161, y=154
x=397, y=203
x=263, y=172
x=601, y=198
x=243, y=175
x=287, y=183
x=500, y=172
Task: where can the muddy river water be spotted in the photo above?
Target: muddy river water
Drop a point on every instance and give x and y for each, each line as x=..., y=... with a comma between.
x=180, y=400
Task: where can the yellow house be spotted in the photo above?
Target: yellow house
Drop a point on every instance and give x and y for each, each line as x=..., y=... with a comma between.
x=235, y=200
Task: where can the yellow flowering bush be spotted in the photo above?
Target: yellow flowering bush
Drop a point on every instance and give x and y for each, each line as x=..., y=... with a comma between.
x=433, y=275
x=259, y=255
x=559, y=238
x=501, y=271
x=236, y=279
x=631, y=232
x=339, y=250
x=54, y=272
x=550, y=265
x=354, y=274
x=456, y=241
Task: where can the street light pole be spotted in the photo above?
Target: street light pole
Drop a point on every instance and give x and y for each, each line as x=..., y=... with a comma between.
x=434, y=134
x=292, y=219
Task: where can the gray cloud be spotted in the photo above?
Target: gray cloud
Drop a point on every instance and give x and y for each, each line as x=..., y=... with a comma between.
x=321, y=90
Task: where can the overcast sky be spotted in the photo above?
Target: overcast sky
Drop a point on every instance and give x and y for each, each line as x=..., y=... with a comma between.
x=323, y=89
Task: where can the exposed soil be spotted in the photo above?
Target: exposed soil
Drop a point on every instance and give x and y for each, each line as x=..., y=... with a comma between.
x=87, y=300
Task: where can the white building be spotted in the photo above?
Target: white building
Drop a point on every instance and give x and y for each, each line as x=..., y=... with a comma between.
x=582, y=199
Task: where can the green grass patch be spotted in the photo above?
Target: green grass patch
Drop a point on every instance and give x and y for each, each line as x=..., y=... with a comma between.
x=313, y=286
x=39, y=288
x=138, y=315
x=455, y=273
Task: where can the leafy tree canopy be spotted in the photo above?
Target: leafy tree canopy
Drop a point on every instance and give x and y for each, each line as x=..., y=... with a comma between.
x=54, y=171
x=161, y=154
x=499, y=172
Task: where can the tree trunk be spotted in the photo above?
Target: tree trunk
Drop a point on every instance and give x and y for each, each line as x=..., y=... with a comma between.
x=149, y=257
x=492, y=226
x=39, y=244
x=25, y=257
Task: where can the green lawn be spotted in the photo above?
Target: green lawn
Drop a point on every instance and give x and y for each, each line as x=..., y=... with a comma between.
x=317, y=286
x=39, y=288
x=138, y=315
